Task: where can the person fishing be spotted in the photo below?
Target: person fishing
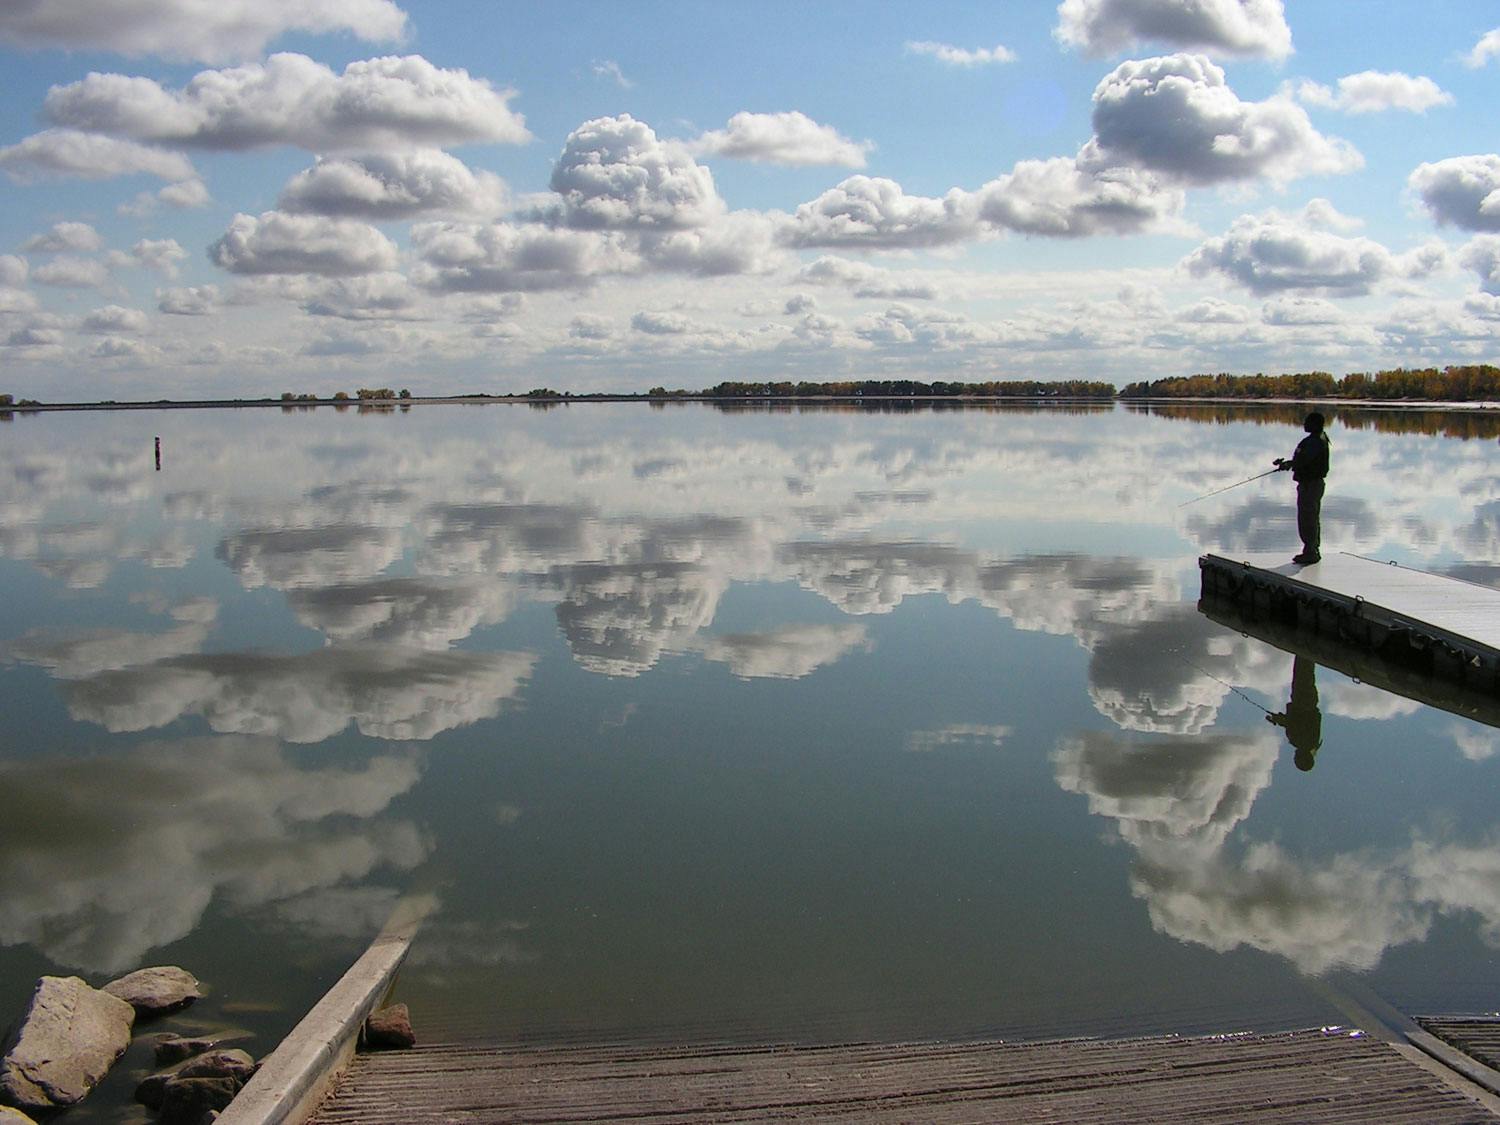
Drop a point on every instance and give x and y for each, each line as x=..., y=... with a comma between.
x=1309, y=468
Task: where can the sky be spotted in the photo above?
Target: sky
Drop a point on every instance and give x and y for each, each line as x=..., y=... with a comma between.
x=207, y=198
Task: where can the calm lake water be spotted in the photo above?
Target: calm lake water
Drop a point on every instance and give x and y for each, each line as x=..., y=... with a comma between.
x=798, y=725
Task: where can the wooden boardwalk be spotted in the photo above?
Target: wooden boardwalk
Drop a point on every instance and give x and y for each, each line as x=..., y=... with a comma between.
x=1305, y=1076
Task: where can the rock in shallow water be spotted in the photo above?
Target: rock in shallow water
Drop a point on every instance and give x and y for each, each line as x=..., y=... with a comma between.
x=390, y=1027
x=157, y=990
x=68, y=1039
x=231, y=1063
x=175, y=1048
x=188, y=1100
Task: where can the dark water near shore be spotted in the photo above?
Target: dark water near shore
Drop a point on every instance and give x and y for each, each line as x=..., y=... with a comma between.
x=805, y=725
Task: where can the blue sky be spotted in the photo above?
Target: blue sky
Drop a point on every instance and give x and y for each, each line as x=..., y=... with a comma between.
x=264, y=195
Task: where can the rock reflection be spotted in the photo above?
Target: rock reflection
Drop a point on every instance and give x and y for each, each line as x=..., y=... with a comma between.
x=106, y=857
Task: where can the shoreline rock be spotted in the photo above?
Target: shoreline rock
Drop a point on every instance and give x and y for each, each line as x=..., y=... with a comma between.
x=234, y=1064
x=390, y=1028
x=156, y=991
x=64, y=1044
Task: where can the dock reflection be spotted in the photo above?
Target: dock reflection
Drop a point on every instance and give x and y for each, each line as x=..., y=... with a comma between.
x=1302, y=719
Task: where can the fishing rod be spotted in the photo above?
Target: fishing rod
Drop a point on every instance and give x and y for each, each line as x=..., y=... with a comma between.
x=1227, y=487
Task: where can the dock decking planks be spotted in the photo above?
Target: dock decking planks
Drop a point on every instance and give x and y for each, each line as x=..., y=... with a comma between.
x=1476, y=1036
x=1305, y=1076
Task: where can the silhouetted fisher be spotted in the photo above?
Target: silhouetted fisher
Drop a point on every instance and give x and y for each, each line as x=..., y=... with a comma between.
x=158, y=455
x=1309, y=466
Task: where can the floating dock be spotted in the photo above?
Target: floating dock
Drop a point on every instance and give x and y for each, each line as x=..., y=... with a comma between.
x=1428, y=623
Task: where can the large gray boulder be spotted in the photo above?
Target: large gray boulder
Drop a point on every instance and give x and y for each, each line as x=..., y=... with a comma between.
x=68, y=1039
x=157, y=990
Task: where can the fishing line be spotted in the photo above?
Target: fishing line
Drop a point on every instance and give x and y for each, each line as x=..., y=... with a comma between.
x=1226, y=683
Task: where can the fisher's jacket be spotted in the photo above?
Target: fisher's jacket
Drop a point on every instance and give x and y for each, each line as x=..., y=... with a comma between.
x=1310, y=459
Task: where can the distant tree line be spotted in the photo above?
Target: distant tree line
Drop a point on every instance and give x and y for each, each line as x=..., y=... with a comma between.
x=1465, y=383
x=911, y=388
x=1462, y=424
x=364, y=394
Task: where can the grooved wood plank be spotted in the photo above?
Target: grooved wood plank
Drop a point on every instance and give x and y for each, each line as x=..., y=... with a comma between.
x=1476, y=1036
x=1306, y=1076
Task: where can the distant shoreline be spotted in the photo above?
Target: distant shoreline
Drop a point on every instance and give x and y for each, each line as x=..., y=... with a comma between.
x=387, y=404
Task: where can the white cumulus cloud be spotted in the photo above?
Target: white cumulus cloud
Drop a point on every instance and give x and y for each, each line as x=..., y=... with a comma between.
x=13, y=270
x=504, y=258
x=280, y=243
x=1482, y=255
x=159, y=254
x=865, y=280
x=377, y=104
x=394, y=186
x=876, y=213
x=961, y=56
x=1487, y=48
x=88, y=156
x=1061, y=199
x=64, y=237
x=71, y=273
x=1462, y=191
x=1373, y=91
x=1230, y=27
x=1178, y=116
x=1272, y=252
x=190, y=29
x=112, y=319
x=614, y=173
x=195, y=300
x=792, y=139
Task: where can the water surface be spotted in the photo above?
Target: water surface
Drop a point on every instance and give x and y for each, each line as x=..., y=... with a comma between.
x=807, y=725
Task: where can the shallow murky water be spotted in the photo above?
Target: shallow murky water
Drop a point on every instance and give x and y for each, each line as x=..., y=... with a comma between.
x=800, y=725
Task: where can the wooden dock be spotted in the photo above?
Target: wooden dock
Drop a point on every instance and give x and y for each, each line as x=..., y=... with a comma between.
x=1429, y=623
x=1307, y=1076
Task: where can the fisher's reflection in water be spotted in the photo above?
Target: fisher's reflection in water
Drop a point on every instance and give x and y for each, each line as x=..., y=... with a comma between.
x=1302, y=719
